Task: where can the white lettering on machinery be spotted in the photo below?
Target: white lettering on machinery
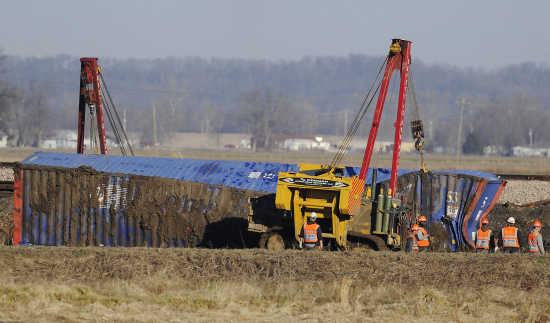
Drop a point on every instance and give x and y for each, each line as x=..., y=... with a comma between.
x=452, y=204
x=478, y=215
x=313, y=182
x=269, y=175
x=112, y=194
x=484, y=202
x=254, y=175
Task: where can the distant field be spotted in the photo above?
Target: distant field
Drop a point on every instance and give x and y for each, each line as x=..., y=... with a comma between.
x=200, y=285
x=491, y=164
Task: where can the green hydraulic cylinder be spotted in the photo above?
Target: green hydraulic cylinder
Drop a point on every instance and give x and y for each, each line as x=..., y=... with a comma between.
x=380, y=211
x=387, y=208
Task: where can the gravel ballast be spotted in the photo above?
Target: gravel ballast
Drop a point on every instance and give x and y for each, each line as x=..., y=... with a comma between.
x=520, y=192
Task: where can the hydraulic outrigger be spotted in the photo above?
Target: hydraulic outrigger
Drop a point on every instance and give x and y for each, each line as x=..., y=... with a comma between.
x=337, y=194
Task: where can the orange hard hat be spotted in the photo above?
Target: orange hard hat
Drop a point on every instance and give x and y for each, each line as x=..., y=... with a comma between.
x=537, y=224
x=484, y=221
x=422, y=219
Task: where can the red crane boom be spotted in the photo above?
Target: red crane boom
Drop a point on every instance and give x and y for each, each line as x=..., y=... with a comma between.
x=399, y=58
x=90, y=95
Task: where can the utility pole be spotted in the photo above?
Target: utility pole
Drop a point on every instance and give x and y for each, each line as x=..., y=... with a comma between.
x=155, y=136
x=531, y=137
x=462, y=103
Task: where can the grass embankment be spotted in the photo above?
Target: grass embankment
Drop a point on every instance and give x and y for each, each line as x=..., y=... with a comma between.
x=71, y=284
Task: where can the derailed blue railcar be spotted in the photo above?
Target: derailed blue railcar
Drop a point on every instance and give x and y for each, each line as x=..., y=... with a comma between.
x=97, y=200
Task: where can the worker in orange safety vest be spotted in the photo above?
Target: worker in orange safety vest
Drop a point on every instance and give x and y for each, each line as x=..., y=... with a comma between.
x=510, y=237
x=311, y=235
x=412, y=244
x=421, y=235
x=536, y=246
x=484, y=236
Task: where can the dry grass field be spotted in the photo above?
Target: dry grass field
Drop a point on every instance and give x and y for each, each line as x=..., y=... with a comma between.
x=200, y=285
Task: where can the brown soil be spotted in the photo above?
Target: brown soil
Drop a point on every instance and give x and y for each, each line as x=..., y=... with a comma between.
x=171, y=211
x=6, y=220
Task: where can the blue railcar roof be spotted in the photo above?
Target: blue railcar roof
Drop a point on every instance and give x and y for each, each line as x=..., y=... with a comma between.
x=255, y=176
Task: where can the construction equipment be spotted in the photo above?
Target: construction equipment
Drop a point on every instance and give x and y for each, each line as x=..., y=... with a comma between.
x=92, y=87
x=81, y=200
x=336, y=193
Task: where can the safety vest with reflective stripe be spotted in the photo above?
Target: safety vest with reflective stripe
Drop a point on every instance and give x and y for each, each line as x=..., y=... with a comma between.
x=510, y=237
x=414, y=242
x=424, y=242
x=482, y=241
x=310, y=233
x=533, y=245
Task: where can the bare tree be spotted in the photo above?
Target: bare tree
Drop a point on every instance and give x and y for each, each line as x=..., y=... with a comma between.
x=29, y=115
x=266, y=114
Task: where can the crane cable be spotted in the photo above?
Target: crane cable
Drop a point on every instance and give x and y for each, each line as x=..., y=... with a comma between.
x=110, y=110
x=116, y=124
x=417, y=127
x=367, y=101
x=118, y=138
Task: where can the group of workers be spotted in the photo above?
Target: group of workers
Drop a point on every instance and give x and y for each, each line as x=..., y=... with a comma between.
x=509, y=238
x=485, y=240
x=418, y=240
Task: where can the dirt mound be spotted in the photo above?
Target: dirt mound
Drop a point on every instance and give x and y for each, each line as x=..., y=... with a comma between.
x=96, y=208
x=524, y=220
x=6, y=220
x=441, y=270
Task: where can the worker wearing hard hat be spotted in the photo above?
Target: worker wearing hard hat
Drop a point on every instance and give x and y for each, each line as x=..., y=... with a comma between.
x=536, y=246
x=484, y=236
x=412, y=244
x=421, y=235
x=311, y=236
x=510, y=236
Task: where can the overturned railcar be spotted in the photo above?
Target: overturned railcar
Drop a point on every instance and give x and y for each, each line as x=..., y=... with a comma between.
x=97, y=200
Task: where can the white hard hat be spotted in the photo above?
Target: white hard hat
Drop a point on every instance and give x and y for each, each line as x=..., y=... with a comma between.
x=511, y=220
x=313, y=215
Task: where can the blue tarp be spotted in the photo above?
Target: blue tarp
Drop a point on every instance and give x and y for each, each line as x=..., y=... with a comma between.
x=255, y=176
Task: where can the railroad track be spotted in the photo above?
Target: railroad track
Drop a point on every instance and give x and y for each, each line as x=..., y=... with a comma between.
x=525, y=177
x=6, y=188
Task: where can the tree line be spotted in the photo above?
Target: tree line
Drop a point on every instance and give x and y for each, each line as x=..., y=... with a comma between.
x=313, y=95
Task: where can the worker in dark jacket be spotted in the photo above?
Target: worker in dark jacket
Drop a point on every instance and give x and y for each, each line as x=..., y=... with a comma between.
x=536, y=245
x=510, y=237
x=484, y=237
x=311, y=236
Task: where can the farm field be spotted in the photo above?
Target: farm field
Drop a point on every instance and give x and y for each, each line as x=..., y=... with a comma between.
x=205, y=285
x=201, y=285
x=491, y=164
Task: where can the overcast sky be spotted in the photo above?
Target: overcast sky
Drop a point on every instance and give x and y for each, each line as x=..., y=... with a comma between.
x=488, y=33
